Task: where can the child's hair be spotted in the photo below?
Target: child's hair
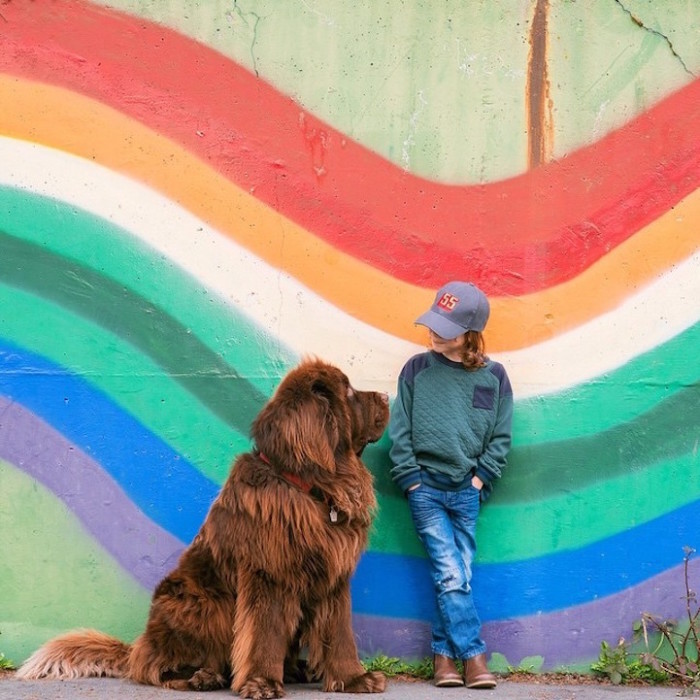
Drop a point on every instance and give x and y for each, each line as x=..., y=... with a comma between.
x=474, y=350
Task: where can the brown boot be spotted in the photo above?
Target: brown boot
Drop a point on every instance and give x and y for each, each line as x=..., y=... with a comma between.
x=446, y=674
x=476, y=673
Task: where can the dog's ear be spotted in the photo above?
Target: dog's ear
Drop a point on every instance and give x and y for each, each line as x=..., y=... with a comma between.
x=299, y=428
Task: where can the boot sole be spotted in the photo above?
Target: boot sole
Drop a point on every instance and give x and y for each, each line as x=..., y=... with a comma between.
x=449, y=684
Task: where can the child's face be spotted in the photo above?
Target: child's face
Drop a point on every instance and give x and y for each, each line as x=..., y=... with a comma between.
x=451, y=349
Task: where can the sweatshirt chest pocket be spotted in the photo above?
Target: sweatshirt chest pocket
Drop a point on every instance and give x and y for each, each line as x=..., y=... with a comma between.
x=483, y=397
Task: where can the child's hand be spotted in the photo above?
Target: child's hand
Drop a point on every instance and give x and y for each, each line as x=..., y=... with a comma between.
x=477, y=483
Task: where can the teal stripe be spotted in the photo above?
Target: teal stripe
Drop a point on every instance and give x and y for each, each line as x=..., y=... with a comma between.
x=567, y=520
x=666, y=431
x=615, y=398
x=217, y=384
x=132, y=380
x=118, y=255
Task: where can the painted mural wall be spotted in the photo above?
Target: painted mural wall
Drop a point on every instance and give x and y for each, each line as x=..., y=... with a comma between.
x=196, y=193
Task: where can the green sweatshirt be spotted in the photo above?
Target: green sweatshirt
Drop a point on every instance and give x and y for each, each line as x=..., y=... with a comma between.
x=449, y=424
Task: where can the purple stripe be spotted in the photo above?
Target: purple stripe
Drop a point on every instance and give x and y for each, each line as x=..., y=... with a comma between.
x=565, y=637
x=143, y=549
x=148, y=553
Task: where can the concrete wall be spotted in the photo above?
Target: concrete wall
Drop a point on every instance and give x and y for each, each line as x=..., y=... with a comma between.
x=195, y=193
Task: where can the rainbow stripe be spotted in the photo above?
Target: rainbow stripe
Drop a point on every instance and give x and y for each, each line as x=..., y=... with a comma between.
x=171, y=245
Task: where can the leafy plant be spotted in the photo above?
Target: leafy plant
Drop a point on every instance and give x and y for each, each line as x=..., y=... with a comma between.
x=529, y=666
x=670, y=648
x=612, y=662
x=393, y=666
x=5, y=664
x=671, y=652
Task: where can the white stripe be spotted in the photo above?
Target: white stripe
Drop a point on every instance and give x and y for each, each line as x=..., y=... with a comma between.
x=308, y=324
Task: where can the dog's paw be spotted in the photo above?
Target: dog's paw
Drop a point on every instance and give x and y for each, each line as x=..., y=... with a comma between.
x=372, y=682
x=261, y=689
x=206, y=679
x=202, y=679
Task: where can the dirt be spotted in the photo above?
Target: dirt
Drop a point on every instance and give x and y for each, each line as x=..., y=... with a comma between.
x=547, y=679
x=557, y=678
x=515, y=677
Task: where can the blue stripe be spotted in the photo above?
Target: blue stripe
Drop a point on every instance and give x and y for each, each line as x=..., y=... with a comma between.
x=174, y=494
x=164, y=485
x=399, y=586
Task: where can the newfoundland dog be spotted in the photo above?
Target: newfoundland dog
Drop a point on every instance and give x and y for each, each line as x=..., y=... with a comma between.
x=268, y=573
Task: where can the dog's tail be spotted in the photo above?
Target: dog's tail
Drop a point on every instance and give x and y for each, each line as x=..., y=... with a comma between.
x=77, y=655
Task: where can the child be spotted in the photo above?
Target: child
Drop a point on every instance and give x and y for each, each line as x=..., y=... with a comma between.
x=450, y=430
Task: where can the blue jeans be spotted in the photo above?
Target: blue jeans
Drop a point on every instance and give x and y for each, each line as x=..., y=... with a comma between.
x=446, y=525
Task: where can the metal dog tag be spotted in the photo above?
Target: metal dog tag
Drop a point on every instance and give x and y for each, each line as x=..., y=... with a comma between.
x=334, y=514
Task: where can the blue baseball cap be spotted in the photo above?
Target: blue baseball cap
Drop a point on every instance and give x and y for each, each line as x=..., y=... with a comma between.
x=458, y=307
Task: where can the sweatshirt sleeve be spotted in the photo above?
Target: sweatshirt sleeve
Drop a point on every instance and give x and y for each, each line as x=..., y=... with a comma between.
x=492, y=460
x=405, y=471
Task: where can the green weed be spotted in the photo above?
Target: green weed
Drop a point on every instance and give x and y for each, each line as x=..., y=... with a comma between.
x=670, y=650
x=5, y=664
x=393, y=666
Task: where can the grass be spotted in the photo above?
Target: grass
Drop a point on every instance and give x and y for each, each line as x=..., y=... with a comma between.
x=394, y=667
x=529, y=672
x=6, y=664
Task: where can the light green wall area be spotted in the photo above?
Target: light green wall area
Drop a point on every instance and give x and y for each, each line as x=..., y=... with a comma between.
x=54, y=576
x=439, y=88
x=613, y=60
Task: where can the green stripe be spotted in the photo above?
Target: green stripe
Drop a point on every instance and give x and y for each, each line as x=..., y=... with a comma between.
x=569, y=520
x=103, y=301
x=78, y=583
x=120, y=256
x=97, y=244
x=667, y=430
x=617, y=397
x=115, y=367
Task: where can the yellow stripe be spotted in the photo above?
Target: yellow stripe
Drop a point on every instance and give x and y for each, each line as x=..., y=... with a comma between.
x=70, y=122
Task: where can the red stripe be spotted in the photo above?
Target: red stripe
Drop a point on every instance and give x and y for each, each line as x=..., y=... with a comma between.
x=511, y=237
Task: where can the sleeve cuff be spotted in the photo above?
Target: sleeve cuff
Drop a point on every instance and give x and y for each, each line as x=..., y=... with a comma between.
x=485, y=476
x=408, y=480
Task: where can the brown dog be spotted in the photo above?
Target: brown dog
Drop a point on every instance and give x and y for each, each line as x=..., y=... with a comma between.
x=269, y=570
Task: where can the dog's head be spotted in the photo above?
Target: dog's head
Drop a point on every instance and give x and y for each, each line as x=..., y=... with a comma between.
x=315, y=416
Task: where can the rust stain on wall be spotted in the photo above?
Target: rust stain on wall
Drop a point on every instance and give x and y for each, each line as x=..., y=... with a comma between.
x=540, y=132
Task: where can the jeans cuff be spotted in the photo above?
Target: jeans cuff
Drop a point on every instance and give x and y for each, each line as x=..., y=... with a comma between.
x=472, y=653
x=442, y=651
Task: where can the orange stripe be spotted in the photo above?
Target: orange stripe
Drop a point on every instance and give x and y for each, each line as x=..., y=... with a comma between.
x=65, y=120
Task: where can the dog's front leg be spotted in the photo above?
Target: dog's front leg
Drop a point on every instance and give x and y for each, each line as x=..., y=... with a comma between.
x=332, y=649
x=264, y=628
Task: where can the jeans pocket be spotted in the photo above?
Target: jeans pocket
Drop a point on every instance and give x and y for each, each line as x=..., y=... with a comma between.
x=474, y=500
x=420, y=502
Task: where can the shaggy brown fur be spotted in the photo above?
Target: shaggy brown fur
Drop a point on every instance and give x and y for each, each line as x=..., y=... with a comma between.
x=269, y=570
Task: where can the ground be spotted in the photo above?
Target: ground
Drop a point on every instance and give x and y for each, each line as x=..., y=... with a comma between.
x=515, y=677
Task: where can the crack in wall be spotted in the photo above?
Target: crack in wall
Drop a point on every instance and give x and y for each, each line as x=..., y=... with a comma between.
x=656, y=32
x=256, y=20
